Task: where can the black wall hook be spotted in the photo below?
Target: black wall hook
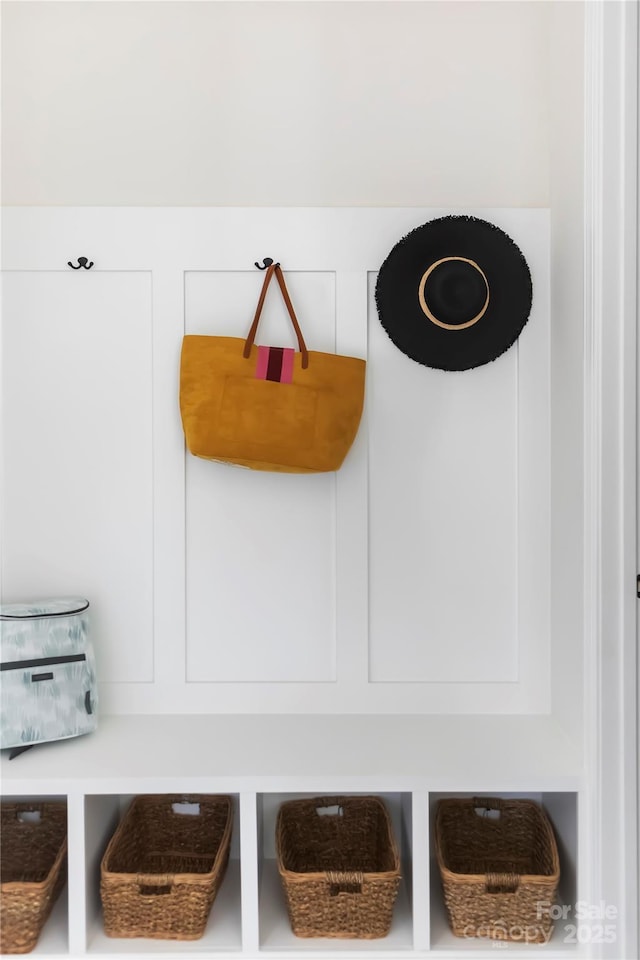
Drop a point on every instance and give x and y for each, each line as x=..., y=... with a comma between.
x=267, y=263
x=82, y=262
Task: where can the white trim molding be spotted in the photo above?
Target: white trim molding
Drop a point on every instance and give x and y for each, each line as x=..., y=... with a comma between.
x=610, y=206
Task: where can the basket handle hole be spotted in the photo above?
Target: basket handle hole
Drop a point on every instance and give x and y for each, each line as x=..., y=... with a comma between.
x=502, y=882
x=335, y=810
x=151, y=891
x=335, y=889
x=487, y=813
x=28, y=816
x=339, y=881
x=184, y=808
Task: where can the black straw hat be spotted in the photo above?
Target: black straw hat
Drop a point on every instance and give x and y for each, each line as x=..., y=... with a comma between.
x=454, y=293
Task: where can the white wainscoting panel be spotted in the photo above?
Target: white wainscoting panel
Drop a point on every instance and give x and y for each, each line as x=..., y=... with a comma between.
x=443, y=510
x=413, y=580
x=260, y=561
x=77, y=453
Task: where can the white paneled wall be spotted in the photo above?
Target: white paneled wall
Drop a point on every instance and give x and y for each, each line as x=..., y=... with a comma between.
x=260, y=556
x=77, y=452
x=443, y=536
x=415, y=579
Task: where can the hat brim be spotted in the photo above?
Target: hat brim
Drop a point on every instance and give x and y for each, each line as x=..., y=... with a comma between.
x=508, y=279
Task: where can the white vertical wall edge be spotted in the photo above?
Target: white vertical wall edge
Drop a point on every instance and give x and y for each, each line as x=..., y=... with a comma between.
x=610, y=208
x=421, y=828
x=76, y=874
x=249, y=858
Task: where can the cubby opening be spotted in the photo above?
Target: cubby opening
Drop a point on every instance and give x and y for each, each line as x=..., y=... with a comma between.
x=223, y=932
x=562, y=808
x=275, y=929
x=54, y=936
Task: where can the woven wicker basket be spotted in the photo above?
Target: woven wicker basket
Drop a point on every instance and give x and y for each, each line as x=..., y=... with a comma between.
x=339, y=865
x=33, y=867
x=162, y=869
x=499, y=873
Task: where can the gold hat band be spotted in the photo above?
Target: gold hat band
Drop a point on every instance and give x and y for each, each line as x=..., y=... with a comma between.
x=427, y=311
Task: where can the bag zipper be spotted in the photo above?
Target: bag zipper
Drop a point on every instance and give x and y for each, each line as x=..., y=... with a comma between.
x=41, y=662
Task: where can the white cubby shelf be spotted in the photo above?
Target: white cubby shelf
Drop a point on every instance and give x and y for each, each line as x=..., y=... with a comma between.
x=274, y=758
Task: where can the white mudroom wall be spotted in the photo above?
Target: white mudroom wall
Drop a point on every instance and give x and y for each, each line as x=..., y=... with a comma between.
x=443, y=107
x=277, y=104
x=176, y=143
x=415, y=579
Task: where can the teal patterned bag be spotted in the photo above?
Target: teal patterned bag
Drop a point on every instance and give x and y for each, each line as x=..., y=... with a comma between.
x=48, y=687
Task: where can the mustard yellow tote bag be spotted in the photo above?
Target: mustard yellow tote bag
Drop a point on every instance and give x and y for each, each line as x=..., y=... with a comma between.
x=269, y=408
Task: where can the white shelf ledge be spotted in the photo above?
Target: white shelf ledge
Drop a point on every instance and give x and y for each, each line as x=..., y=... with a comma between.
x=289, y=753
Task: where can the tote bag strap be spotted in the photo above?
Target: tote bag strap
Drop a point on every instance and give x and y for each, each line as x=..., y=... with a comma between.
x=276, y=269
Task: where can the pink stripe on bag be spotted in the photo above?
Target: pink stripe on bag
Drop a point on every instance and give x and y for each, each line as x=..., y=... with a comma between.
x=286, y=375
x=263, y=361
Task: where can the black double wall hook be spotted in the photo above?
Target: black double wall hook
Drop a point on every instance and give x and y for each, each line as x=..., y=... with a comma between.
x=82, y=262
x=266, y=263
